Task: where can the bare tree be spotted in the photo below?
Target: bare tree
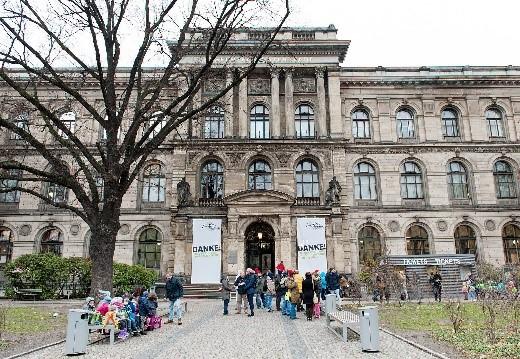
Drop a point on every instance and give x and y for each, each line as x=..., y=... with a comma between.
x=137, y=107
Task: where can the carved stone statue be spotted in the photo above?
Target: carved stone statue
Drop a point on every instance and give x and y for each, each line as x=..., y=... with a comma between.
x=332, y=193
x=183, y=193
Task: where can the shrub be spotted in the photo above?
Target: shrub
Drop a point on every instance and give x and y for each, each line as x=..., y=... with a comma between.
x=127, y=277
x=54, y=275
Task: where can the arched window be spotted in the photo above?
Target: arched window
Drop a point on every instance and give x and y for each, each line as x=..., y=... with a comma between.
x=365, y=186
x=495, y=123
x=511, y=241
x=411, y=181
x=21, y=121
x=10, y=182
x=69, y=121
x=465, y=240
x=214, y=123
x=259, y=118
x=417, y=241
x=405, y=124
x=52, y=241
x=458, y=181
x=504, y=180
x=360, y=124
x=149, y=249
x=6, y=245
x=307, y=180
x=56, y=193
x=159, y=120
x=154, y=184
x=212, y=180
x=260, y=176
x=304, y=121
x=450, y=123
x=369, y=244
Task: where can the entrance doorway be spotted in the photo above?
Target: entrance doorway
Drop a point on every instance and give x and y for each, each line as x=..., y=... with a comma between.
x=259, y=246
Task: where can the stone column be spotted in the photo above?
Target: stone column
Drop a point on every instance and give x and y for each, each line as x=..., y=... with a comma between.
x=233, y=264
x=289, y=104
x=322, y=107
x=515, y=104
x=336, y=120
x=197, y=123
x=275, y=103
x=243, y=111
x=228, y=126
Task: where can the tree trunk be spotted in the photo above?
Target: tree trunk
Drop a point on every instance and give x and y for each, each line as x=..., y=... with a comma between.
x=102, y=246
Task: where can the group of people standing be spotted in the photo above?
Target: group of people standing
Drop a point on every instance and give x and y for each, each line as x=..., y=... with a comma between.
x=288, y=287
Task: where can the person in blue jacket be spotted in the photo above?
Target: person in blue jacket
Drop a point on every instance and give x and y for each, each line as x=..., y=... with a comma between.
x=250, y=287
x=323, y=285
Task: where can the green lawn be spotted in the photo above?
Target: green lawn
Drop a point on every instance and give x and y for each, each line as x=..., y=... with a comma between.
x=471, y=339
x=26, y=320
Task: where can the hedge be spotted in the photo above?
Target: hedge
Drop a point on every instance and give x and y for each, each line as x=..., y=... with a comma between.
x=58, y=276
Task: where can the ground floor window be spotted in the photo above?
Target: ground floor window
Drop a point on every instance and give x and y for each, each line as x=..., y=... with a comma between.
x=52, y=242
x=149, y=249
x=369, y=241
x=417, y=241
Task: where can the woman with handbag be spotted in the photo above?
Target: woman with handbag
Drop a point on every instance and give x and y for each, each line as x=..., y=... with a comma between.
x=308, y=295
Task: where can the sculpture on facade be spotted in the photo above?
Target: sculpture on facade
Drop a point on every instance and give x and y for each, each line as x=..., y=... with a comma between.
x=183, y=193
x=332, y=193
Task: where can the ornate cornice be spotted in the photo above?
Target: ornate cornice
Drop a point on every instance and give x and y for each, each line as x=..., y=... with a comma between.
x=345, y=82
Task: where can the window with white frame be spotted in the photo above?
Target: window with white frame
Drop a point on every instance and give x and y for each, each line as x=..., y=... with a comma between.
x=154, y=184
x=360, y=124
x=21, y=121
x=259, y=122
x=365, y=186
x=495, y=123
x=68, y=119
x=11, y=181
x=405, y=124
x=214, y=123
x=458, y=181
x=450, y=123
x=411, y=181
x=504, y=180
x=304, y=121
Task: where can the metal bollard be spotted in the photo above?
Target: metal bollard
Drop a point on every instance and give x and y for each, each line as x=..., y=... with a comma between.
x=369, y=329
x=330, y=303
x=77, y=332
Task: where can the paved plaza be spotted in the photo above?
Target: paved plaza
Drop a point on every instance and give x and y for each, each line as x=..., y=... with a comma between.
x=206, y=333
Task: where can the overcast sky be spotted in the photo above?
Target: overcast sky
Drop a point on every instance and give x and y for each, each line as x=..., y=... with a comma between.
x=419, y=32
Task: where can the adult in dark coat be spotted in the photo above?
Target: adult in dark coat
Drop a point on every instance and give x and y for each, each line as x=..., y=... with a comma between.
x=250, y=287
x=308, y=295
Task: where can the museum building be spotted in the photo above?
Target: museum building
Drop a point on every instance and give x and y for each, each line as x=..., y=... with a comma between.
x=398, y=161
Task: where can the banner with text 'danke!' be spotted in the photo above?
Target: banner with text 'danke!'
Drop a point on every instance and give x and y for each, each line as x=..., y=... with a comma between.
x=206, y=251
x=312, y=247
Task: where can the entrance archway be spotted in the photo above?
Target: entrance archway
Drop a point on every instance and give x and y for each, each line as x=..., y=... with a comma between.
x=259, y=246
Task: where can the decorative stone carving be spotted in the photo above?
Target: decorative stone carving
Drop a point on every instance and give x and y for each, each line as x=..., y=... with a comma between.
x=25, y=230
x=235, y=158
x=214, y=85
x=74, y=229
x=259, y=86
x=442, y=225
x=332, y=194
x=304, y=85
x=183, y=193
x=125, y=229
x=394, y=226
x=490, y=225
x=283, y=158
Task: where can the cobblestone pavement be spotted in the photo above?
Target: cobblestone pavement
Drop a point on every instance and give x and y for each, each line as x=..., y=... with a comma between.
x=206, y=333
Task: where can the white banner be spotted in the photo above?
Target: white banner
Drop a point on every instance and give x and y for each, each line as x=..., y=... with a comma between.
x=206, y=251
x=312, y=247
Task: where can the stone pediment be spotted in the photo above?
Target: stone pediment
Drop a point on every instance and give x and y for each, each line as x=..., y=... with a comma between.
x=259, y=198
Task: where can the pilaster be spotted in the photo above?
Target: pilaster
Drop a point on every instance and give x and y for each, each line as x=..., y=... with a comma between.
x=243, y=110
x=322, y=106
x=289, y=104
x=275, y=103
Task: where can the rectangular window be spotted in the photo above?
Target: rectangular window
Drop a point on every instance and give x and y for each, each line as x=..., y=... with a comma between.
x=495, y=128
x=406, y=128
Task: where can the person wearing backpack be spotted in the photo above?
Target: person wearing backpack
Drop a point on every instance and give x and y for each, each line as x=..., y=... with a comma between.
x=174, y=293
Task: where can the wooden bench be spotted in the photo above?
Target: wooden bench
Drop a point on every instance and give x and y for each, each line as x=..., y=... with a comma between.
x=348, y=321
x=22, y=293
x=109, y=327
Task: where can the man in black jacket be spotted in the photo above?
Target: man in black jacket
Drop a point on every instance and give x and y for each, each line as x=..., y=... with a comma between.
x=174, y=293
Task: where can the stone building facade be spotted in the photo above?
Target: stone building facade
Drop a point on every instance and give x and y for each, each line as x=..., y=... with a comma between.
x=424, y=160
